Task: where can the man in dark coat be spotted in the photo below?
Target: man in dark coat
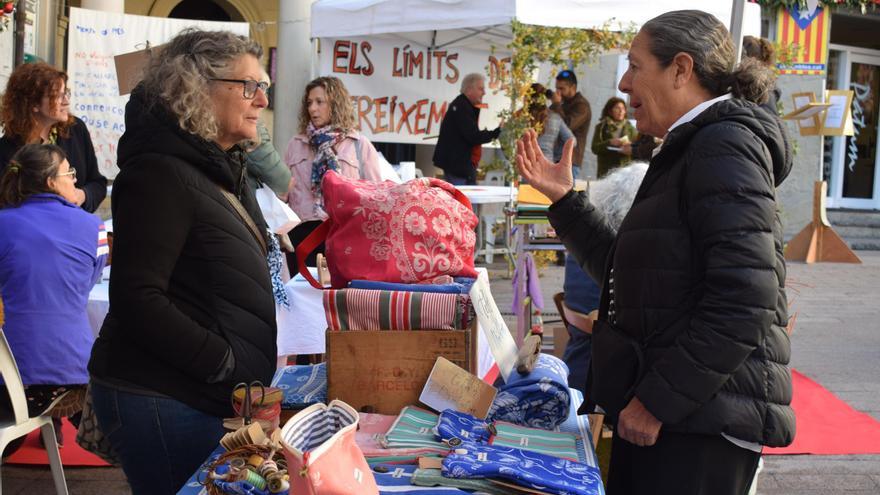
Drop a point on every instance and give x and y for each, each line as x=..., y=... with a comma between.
x=458, y=147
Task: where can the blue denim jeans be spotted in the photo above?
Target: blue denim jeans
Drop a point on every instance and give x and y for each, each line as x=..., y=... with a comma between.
x=160, y=442
x=582, y=295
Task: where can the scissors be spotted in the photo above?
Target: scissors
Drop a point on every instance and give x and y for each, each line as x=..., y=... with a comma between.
x=246, y=399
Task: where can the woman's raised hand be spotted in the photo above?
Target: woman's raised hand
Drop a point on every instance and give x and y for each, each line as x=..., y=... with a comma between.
x=554, y=180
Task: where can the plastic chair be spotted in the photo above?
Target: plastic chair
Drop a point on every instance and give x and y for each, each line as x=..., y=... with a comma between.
x=22, y=424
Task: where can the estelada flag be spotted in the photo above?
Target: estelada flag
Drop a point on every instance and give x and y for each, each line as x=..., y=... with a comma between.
x=809, y=31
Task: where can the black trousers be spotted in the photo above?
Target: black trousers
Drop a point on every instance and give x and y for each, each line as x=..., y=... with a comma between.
x=681, y=464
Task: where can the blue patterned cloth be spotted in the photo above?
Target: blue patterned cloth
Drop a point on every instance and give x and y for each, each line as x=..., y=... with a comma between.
x=529, y=469
x=540, y=399
x=460, y=285
x=302, y=385
x=461, y=426
x=276, y=264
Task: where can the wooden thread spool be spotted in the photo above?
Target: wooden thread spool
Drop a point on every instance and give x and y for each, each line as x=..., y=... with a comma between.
x=277, y=482
x=253, y=478
x=268, y=468
x=256, y=460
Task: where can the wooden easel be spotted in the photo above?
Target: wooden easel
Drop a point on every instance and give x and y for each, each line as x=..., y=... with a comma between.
x=819, y=242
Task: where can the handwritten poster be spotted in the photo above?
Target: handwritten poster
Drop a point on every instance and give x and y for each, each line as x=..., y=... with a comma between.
x=493, y=327
x=401, y=90
x=95, y=38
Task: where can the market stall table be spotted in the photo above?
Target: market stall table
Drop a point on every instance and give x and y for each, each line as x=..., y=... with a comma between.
x=579, y=425
x=480, y=197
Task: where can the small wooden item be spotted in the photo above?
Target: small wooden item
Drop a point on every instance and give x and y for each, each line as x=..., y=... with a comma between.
x=528, y=354
x=323, y=271
x=818, y=241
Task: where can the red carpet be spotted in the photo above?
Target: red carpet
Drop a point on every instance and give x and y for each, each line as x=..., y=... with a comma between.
x=827, y=425
x=71, y=453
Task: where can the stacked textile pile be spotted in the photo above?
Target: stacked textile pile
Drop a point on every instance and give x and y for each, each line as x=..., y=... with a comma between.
x=366, y=305
x=478, y=456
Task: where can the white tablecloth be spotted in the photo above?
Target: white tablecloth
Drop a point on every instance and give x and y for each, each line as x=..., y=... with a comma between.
x=301, y=329
x=99, y=302
x=487, y=194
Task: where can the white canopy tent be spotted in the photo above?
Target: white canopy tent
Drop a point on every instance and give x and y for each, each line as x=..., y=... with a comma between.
x=440, y=23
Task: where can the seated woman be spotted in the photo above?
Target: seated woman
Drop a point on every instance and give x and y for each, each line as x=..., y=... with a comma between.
x=327, y=140
x=51, y=254
x=191, y=306
x=36, y=109
x=613, y=131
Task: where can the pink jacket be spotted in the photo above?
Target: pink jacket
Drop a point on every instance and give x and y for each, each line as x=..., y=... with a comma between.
x=299, y=158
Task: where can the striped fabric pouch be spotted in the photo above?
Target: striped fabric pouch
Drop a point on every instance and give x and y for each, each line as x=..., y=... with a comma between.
x=364, y=309
x=371, y=434
x=555, y=443
x=413, y=428
x=321, y=453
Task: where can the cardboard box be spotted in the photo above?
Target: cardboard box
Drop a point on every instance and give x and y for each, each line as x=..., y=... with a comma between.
x=381, y=371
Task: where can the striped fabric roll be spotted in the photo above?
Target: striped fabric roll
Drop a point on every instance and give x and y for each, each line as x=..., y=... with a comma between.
x=363, y=309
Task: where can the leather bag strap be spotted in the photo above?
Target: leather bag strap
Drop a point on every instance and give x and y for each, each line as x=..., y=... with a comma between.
x=246, y=217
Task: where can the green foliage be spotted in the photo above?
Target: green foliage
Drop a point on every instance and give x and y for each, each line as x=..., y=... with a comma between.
x=534, y=45
x=831, y=4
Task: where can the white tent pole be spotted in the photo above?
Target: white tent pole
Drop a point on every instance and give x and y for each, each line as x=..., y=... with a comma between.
x=736, y=26
x=294, y=67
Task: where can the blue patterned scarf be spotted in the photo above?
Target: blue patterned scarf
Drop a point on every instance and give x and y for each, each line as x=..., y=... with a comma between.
x=322, y=142
x=276, y=264
x=528, y=469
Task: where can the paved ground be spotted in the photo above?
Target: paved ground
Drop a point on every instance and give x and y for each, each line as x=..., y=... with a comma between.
x=836, y=342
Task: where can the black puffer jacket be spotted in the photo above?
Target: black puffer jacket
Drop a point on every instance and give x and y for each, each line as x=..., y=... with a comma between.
x=699, y=260
x=190, y=282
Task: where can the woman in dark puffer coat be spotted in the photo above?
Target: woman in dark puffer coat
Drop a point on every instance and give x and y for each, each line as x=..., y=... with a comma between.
x=696, y=272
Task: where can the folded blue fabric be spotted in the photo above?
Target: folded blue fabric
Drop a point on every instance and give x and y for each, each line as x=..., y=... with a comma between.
x=460, y=285
x=456, y=427
x=529, y=469
x=302, y=385
x=540, y=399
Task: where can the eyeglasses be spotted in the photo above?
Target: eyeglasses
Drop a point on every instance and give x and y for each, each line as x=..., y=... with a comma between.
x=250, y=86
x=60, y=96
x=71, y=173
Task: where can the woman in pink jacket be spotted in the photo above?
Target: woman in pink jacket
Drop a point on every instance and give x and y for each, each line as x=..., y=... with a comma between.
x=327, y=140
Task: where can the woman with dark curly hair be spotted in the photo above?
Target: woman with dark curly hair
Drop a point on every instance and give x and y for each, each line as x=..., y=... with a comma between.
x=36, y=109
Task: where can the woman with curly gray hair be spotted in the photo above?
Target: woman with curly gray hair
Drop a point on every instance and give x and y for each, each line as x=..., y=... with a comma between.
x=191, y=306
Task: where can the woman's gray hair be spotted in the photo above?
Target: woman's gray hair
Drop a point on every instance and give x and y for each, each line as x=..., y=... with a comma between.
x=707, y=41
x=614, y=194
x=178, y=75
